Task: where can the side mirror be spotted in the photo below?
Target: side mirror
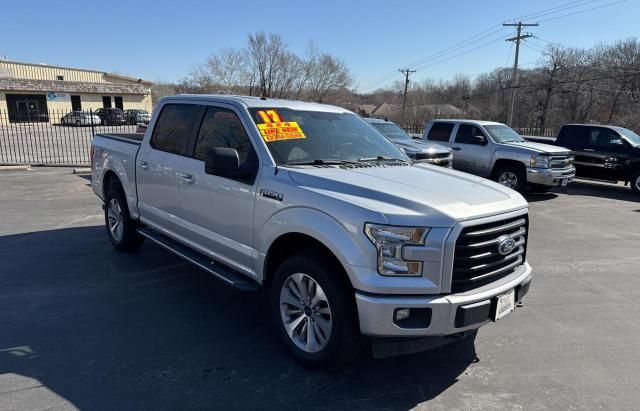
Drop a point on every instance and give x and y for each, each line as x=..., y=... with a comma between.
x=480, y=140
x=222, y=161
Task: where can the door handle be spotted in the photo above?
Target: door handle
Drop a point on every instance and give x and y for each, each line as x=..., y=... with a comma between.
x=143, y=165
x=185, y=178
x=589, y=149
x=456, y=148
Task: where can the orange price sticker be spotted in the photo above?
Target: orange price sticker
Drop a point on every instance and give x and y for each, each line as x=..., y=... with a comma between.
x=273, y=128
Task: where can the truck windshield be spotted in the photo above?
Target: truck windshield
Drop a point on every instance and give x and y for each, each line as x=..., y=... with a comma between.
x=631, y=137
x=391, y=131
x=503, y=134
x=317, y=137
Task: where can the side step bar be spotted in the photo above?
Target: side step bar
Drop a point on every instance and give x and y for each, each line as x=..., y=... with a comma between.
x=218, y=270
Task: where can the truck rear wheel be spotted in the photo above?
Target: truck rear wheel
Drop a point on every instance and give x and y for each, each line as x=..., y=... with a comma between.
x=315, y=312
x=121, y=229
x=635, y=182
x=512, y=177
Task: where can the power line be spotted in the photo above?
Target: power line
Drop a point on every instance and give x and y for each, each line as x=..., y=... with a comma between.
x=583, y=11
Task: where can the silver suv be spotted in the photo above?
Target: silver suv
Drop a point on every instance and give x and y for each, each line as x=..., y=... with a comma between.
x=349, y=237
x=494, y=150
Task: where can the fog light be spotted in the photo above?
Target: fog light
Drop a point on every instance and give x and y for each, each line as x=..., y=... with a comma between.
x=401, y=314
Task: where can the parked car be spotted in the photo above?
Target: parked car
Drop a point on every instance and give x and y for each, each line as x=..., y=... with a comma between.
x=420, y=151
x=494, y=150
x=80, y=118
x=135, y=116
x=349, y=236
x=602, y=152
x=110, y=116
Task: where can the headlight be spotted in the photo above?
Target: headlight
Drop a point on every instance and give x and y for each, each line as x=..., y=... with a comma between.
x=389, y=241
x=539, y=161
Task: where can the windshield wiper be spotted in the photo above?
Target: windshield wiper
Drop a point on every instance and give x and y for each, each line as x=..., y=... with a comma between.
x=381, y=158
x=318, y=162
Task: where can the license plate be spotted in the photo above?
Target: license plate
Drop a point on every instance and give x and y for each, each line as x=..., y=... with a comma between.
x=506, y=303
x=564, y=182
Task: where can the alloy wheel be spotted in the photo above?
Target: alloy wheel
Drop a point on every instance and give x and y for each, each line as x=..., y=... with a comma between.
x=305, y=313
x=508, y=179
x=114, y=217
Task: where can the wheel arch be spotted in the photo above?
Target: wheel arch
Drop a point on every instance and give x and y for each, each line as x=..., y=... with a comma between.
x=504, y=162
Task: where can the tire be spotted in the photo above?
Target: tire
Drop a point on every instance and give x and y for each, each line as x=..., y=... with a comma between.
x=132, y=121
x=63, y=121
x=511, y=176
x=121, y=229
x=635, y=182
x=539, y=188
x=336, y=336
x=78, y=123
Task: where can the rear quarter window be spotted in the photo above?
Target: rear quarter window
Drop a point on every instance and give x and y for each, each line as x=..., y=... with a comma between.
x=575, y=135
x=440, y=132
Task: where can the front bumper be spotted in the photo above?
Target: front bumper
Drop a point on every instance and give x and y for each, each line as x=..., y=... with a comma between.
x=447, y=314
x=550, y=177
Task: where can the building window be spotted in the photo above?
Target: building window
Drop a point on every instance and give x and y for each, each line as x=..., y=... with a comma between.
x=76, y=104
x=118, y=100
x=27, y=108
x=106, y=101
x=60, y=78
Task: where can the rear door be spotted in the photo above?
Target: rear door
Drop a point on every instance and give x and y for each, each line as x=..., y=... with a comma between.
x=217, y=210
x=470, y=155
x=159, y=162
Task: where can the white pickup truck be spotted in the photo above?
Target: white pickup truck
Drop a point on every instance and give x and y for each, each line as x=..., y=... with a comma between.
x=312, y=203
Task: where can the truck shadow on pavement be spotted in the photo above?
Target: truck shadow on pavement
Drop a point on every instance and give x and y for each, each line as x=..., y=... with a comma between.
x=105, y=330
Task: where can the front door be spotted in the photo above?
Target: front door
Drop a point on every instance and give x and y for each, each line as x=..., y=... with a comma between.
x=217, y=209
x=470, y=154
x=601, y=154
x=158, y=164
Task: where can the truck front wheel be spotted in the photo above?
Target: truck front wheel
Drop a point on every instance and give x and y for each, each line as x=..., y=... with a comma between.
x=315, y=312
x=121, y=229
x=512, y=177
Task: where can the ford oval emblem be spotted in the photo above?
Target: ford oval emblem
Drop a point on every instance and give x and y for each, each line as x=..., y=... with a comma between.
x=506, y=245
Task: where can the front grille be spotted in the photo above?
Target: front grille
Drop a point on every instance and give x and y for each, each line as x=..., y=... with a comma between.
x=560, y=161
x=477, y=259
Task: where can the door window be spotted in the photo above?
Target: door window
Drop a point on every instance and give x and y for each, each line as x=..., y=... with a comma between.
x=602, y=137
x=118, y=101
x=221, y=128
x=106, y=101
x=440, y=131
x=466, y=132
x=171, y=132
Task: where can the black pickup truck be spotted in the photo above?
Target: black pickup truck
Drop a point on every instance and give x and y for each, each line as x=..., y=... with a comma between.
x=602, y=152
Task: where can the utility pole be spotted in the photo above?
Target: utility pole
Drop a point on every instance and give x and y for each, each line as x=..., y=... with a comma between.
x=514, y=77
x=406, y=73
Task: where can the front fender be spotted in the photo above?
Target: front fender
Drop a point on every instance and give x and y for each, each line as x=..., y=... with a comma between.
x=346, y=241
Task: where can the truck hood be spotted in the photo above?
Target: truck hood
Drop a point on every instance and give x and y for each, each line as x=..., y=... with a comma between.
x=415, y=146
x=411, y=194
x=540, y=147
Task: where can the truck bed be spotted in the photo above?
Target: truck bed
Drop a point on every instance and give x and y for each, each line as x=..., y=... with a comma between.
x=134, y=138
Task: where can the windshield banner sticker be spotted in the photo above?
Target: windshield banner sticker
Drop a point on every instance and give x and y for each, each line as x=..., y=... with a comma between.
x=274, y=129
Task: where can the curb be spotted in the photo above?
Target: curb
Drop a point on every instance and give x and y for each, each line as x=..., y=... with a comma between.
x=81, y=170
x=15, y=168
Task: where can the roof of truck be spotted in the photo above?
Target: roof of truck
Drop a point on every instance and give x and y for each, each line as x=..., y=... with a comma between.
x=467, y=120
x=252, y=101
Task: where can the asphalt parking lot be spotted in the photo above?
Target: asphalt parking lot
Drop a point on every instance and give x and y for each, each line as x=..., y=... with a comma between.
x=83, y=326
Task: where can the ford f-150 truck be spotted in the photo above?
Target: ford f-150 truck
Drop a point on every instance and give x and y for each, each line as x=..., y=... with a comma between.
x=602, y=152
x=348, y=236
x=494, y=150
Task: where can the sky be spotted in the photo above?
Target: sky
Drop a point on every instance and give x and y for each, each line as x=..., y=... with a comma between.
x=163, y=40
